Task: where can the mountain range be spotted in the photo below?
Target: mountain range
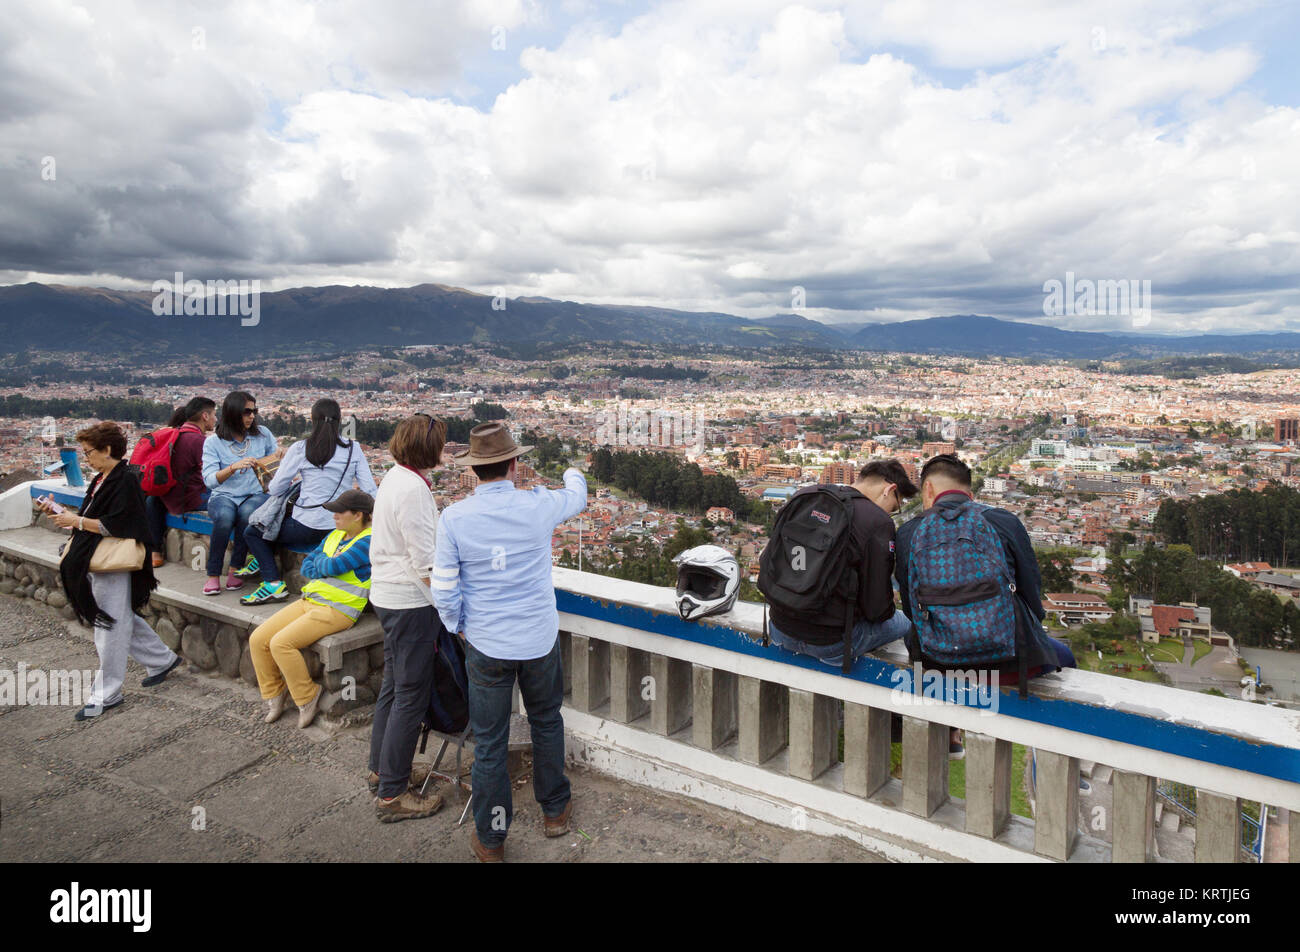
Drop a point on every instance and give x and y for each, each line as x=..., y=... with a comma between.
x=327, y=319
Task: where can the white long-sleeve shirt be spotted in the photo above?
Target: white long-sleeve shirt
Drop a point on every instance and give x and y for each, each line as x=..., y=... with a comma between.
x=320, y=484
x=403, y=537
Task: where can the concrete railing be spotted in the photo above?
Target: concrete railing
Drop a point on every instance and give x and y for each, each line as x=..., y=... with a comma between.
x=707, y=710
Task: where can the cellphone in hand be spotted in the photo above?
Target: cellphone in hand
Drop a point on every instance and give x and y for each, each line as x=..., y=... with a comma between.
x=54, y=506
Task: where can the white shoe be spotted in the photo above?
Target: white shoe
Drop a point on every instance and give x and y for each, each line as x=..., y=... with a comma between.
x=307, y=713
x=275, y=707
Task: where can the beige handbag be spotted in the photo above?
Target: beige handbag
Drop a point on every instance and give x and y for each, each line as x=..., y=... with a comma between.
x=115, y=555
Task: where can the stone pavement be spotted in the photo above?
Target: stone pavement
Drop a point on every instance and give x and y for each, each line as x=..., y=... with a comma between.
x=188, y=772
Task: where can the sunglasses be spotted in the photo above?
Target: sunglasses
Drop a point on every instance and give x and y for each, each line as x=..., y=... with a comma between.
x=252, y=412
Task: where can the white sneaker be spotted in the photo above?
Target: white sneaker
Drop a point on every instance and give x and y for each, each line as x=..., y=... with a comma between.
x=275, y=707
x=307, y=713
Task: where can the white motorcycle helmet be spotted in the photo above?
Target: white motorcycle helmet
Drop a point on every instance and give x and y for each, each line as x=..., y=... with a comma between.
x=708, y=580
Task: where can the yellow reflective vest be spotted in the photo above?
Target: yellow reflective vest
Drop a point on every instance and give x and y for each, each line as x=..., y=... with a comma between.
x=345, y=593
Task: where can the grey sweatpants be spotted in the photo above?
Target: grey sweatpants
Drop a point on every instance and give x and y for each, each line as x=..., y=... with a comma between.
x=130, y=636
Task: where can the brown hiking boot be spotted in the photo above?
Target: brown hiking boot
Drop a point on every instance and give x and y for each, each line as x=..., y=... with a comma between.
x=419, y=773
x=485, y=854
x=558, y=825
x=409, y=806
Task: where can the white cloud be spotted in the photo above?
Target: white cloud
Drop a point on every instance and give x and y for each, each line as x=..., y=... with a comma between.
x=707, y=156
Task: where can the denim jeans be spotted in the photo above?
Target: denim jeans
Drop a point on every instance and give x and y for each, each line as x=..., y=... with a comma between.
x=491, y=685
x=156, y=511
x=229, y=516
x=292, y=532
x=867, y=636
x=410, y=642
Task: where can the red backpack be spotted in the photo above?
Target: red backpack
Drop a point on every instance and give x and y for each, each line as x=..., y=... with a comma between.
x=152, y=459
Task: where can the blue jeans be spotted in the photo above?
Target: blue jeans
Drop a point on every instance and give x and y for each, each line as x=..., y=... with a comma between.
x=867, y=636
x=229, y=516
x=156, y=512
x=292, y=532
x=491, y=684
x=1064, y=656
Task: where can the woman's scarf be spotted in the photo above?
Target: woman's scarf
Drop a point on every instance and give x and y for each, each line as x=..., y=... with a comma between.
x=117, y=501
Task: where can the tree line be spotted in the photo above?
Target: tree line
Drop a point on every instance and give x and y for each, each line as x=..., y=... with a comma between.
x=665, y=480
x=1236, y=526
x=651, y=372
x=1174, y=574
x=127, y=409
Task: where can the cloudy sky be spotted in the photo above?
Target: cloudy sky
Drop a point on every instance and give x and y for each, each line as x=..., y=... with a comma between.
x=894, y=158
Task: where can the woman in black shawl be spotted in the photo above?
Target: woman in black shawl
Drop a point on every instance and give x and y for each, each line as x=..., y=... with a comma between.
x=112, y=508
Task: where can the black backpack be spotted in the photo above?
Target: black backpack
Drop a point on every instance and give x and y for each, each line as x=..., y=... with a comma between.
x=809, y=566
x=449, y=700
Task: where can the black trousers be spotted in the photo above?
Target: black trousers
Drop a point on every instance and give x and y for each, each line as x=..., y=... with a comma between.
x=410, y=643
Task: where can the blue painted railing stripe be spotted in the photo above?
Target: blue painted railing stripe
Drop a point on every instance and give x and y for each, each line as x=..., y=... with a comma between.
x=1282, y=763
x=199, y=523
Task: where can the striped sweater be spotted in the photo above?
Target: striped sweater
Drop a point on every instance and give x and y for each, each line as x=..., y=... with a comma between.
x=355, y=559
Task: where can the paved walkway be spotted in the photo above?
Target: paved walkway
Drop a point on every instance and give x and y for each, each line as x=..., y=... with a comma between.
x=187, y=772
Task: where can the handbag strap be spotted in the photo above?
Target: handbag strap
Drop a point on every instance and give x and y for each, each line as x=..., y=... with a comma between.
x=342, y=476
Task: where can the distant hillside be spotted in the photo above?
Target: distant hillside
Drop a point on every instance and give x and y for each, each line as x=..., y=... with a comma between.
x=306, y=320
x=312, y=319
x=978, y=336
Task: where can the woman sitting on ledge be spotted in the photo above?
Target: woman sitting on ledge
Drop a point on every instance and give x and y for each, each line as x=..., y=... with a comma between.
x=339, y=570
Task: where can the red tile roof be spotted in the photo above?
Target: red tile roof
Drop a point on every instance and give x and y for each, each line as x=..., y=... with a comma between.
x=1084, y=597
x=1165, y=618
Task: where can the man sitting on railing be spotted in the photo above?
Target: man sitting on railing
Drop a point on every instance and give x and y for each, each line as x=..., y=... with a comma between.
x=946, y=483
x=818, y=632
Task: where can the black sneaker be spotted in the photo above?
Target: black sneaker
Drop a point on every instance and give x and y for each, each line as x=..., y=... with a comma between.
x=90, y=712
x=161, y=675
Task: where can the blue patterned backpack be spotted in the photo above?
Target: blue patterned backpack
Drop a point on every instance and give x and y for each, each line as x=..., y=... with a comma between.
x=965, y=611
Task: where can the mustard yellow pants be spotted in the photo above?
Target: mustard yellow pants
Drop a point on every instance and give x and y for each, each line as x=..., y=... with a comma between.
x=276, y=647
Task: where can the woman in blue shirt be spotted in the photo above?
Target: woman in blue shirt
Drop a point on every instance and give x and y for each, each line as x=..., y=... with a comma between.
x=228, y=458
x=328, y=465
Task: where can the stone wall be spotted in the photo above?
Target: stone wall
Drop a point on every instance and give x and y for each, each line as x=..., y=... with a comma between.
x=27, y=580
x=206, y=641
x=191, y=549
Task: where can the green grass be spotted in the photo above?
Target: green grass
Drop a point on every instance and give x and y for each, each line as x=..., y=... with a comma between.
x=957, y=776
x=1169, y=650
x=1130, y=655
x=1200, y=649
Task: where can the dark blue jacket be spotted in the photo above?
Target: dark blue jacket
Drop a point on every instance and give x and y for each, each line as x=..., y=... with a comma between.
x=1042, y=653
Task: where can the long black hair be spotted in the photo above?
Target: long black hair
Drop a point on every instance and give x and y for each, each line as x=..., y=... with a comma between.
x=325, y=416
x=230, y=426
x=187, y=413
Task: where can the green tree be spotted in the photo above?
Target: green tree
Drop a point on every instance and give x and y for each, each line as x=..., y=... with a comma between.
x=1057, y=572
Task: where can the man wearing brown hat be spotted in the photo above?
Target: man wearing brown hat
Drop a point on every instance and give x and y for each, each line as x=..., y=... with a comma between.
x=492, y=583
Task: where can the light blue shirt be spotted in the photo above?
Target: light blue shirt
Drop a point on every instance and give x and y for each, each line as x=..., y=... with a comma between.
x=219, y=453
x=320, y=484
x=492, y=566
